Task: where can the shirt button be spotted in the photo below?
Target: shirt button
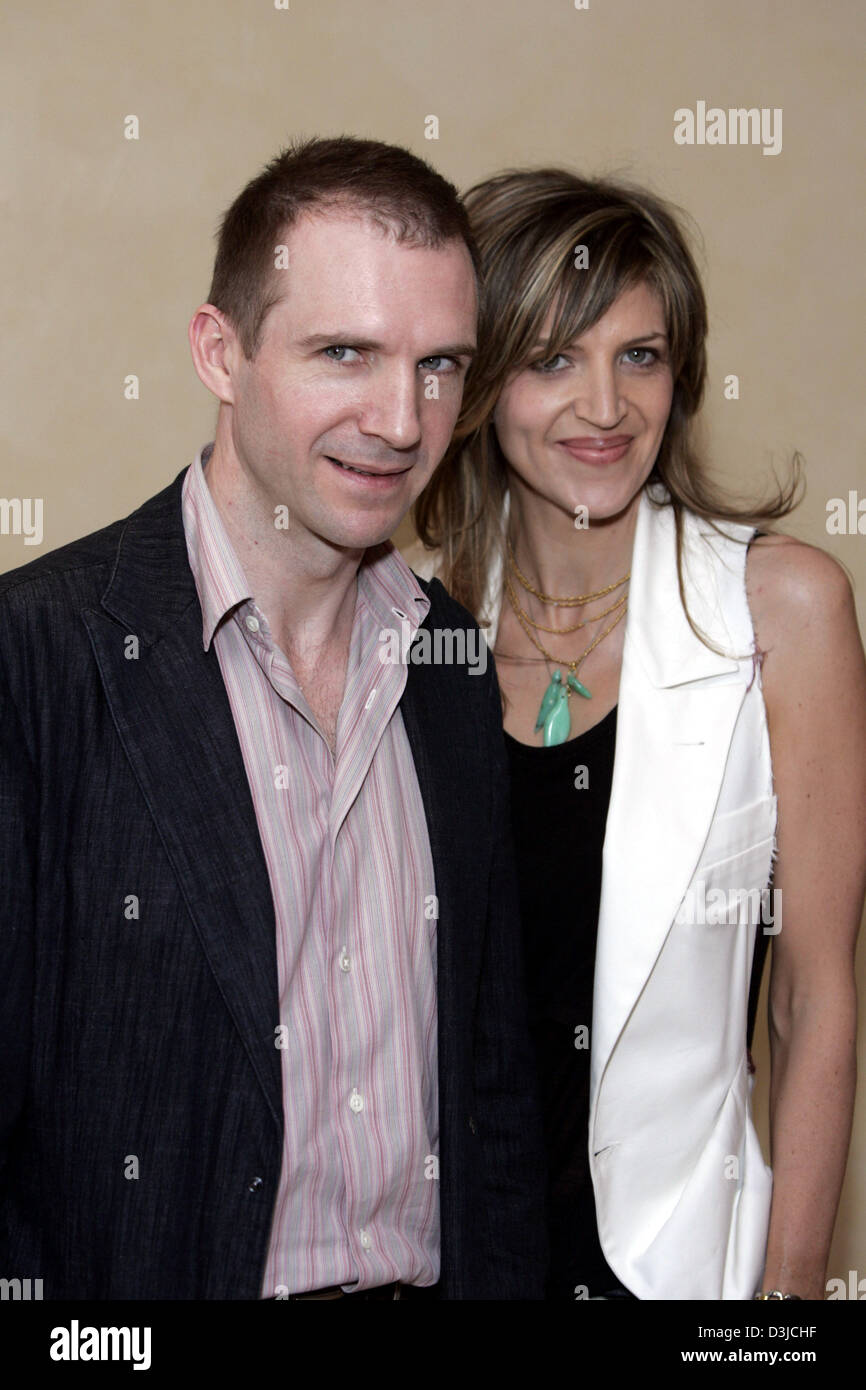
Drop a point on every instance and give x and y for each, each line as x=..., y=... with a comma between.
x=370, y=698
x=356, y=1101
x=253, y=623
x=345, y=961
x=366, y=1241
x=255, y=1185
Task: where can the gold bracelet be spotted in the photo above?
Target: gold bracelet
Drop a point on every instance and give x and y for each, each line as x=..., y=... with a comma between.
x=776, y=1294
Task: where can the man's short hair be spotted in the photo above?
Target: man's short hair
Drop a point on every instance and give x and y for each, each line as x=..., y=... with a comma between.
x=398, y=191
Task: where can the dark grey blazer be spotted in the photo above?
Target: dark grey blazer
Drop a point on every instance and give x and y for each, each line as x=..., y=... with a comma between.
x=153, y=1036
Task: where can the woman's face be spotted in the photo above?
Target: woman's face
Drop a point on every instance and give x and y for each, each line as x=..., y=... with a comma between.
x=583, y=428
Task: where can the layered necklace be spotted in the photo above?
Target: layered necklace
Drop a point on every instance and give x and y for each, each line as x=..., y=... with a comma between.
x=553, y=713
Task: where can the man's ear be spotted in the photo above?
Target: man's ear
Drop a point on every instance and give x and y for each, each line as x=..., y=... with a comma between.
x=215, y=351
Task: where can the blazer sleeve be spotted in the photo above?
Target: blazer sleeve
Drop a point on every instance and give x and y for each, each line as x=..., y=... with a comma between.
x=508, y=1119
x=18, y=809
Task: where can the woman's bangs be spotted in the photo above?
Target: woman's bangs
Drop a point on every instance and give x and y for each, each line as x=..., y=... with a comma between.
x=585, y=295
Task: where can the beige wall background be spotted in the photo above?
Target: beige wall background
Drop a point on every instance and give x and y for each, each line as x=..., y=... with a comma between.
x=107, y=242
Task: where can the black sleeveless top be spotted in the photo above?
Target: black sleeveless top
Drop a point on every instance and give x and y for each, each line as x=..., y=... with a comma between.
x=559, y=803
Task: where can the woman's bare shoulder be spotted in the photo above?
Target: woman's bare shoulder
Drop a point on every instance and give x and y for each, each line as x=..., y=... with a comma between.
x=805, y=624
x=793, y=585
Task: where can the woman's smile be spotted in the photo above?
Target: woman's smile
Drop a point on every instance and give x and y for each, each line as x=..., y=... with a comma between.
x=596, y=451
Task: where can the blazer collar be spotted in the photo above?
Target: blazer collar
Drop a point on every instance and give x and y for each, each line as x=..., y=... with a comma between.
x=152, y=585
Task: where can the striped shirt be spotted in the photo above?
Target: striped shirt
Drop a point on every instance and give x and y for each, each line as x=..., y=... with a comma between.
x=348, y=856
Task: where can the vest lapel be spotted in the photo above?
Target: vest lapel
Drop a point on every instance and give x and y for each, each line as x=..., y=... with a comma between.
x=678, y=704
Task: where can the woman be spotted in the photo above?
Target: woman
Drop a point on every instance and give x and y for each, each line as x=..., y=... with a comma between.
x=684, y=714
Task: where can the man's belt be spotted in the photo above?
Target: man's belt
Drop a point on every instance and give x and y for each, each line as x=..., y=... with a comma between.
x=387, y=1292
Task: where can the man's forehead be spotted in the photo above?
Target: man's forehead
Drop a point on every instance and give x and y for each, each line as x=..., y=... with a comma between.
x=342, y=259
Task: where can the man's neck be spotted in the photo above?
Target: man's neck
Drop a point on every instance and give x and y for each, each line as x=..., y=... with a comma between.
x=305, y=587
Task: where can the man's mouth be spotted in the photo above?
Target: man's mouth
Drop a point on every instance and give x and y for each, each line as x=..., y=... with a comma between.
x=367, y=472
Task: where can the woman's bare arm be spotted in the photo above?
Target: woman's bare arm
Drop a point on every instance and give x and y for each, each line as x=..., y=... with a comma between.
x=814, y=680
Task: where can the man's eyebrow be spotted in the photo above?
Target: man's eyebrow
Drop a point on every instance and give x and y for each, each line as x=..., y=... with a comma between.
x=459, y=350
x=343, y=338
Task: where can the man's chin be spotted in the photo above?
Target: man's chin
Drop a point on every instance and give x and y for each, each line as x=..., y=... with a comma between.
x=361, y=529
x=360, y=535
x=366, y=540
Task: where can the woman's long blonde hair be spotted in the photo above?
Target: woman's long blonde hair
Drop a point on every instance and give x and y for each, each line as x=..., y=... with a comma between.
x=529, y=224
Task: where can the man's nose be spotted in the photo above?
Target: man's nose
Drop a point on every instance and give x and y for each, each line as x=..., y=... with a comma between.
x=391, y=408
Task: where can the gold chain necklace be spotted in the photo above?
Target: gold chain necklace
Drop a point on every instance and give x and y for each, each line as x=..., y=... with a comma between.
x=553, y=713
x=569, y=601
x=559, y=631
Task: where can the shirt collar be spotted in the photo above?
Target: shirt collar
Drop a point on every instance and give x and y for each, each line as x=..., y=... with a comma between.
x=219, y=578
x=390, y=588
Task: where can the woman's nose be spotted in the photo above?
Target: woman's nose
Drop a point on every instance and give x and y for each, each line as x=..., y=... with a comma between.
x=598, y=399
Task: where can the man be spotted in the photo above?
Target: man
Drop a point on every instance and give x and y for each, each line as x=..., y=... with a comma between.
x=263, y=1030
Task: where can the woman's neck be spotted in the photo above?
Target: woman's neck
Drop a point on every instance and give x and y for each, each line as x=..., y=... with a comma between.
x=560, y=558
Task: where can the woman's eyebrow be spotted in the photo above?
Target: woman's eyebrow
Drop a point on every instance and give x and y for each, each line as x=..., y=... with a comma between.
x=542, y=343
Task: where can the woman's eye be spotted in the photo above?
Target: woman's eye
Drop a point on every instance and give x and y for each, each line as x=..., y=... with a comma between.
x=550, y=364
x=337, y=353
x=641, y=357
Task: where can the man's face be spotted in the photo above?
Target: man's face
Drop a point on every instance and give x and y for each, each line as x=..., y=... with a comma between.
x=367, y=335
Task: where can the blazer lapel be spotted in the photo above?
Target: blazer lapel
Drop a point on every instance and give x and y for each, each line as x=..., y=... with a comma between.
x=174, y=720
x=678, y=704
x=440, y=737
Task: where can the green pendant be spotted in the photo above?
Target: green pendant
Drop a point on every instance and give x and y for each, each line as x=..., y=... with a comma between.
x=557, y=725
x=549, y=699
x=579, y=687
x=553, y=712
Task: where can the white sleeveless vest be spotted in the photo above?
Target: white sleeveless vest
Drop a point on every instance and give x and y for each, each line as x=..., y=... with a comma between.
x=681, y=1188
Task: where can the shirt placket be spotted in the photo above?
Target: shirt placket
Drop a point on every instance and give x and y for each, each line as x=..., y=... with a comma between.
x=372, y=694
x=278, y=671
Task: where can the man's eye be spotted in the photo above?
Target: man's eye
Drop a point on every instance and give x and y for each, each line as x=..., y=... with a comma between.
x=338, y=353
x=438, y=363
